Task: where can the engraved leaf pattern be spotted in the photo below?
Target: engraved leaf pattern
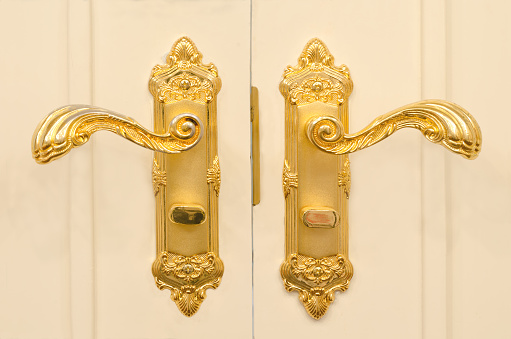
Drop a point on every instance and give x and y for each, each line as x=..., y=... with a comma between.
x=317, y=89
x=159, y=177
x=288, y=179
x=187, y=278
x=214, y=176
x=184, y=54
x=317, y=270
x=316, y=56
x=344, y=178
x=187, y=268
x=185, y=86
x=316, y=280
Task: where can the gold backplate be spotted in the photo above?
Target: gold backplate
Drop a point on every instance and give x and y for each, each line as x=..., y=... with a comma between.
x=187, y=260
x=317, y=261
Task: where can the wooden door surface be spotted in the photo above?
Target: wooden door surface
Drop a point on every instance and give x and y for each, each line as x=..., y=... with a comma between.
x=429, y=230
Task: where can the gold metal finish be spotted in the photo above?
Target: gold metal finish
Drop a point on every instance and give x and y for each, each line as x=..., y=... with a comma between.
x=289, y=180
x=159, y=177
x=185, y=84
x=188, y=277
x=72, y=126
x=440, y=122
x=327, y=275
x=256, y=167
x=187, y=215
x=213, y=176
x=345, y=178
x=317, y=262
x=316, y=93
x=186, y=184
x=320, y=218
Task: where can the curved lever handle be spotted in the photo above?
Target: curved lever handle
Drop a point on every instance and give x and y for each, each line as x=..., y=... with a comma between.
x=439, y=121
x=72, y=126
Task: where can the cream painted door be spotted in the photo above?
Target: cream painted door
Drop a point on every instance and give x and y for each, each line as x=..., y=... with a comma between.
x=429, y=231
x=77, y=235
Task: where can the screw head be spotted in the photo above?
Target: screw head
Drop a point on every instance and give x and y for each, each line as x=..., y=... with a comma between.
x=185, y=84
x=317, y=86
x=188, y=268
x=317, y=271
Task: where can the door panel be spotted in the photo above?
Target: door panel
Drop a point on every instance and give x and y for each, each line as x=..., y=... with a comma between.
x=95, y=207
x=130, y=38
x=34, y=204
x=480, y=195
x=385, y=195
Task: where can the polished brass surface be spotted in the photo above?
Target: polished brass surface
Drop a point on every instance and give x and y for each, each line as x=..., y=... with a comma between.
x=185, y=84
x=159, y=177
x=327, y=275
x=186, y=185
x=213, y=176
x=317, y=177
x=256, y=167
x=187, y=215
x=344, y=178
x=317, y=262
x=72, y=126
x=320, y=218
x=440, y=121
x=187, y=277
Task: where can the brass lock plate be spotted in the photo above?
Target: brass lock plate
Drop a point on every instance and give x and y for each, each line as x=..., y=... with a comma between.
x=186, y=185
x=316, y=184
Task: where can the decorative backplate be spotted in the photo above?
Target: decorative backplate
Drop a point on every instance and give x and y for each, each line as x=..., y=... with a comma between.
x=316, y=184
x=187, y=260
x=187, y=277
x=316, y=280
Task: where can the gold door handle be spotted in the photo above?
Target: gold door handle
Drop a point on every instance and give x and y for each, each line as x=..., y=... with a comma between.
x=317, y=185
x=72, y=126
x=440, y=122
x=186, y=184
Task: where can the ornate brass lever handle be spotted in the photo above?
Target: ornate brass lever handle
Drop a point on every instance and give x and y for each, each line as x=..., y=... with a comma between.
x=317, y=185
x=72, y=126
x=439, y=121
x=186, y=185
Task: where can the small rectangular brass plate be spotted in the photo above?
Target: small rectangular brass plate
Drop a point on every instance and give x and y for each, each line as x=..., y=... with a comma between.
x=187, y=215
x=320, y=218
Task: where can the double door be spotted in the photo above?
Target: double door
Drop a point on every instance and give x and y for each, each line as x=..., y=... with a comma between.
x=429, y=231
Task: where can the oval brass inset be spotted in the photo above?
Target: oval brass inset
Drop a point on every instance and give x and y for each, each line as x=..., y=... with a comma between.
x=187, y=215
x=320, y=218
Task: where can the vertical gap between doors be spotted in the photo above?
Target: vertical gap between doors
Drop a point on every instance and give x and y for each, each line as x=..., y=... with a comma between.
x=252, y=172
x=448, y=194
x=93, y=102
